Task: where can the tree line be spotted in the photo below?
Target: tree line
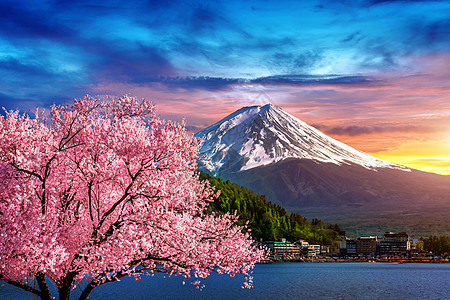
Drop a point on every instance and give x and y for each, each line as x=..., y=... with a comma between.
x=436, y=244
x=269, y=221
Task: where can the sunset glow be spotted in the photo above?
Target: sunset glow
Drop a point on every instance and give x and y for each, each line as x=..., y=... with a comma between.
x=372, y=74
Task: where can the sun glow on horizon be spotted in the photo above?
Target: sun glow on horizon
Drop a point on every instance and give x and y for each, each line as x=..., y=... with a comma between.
x=438, y=165
x=430, y=155
x=425, y=151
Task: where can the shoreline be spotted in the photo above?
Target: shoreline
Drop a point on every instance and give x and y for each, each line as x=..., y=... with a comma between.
x=394, y=260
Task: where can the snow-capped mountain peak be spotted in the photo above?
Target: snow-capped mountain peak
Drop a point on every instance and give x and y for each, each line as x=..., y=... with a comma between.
x=260, y=135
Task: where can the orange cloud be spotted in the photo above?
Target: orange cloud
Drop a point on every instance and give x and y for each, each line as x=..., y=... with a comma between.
x=403, y=118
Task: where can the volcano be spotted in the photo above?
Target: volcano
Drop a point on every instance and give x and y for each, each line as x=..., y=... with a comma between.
x=302, y=169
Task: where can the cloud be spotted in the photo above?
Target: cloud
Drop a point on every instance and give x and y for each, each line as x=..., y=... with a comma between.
x=355, y=130
x=204, y=18
x=14, y=102
x=199, y=82
x=375, y=2
x=430, y=34
x=355, y=37
x=290, y=63
x=27, y=84
x=59, y=47
x=300, y=80
x=130, y=62
x=440, y=162
x=13, y=65
x=193, y=128
x=21, y=21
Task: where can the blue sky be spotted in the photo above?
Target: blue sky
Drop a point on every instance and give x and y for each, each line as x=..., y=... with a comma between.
x=347, y=66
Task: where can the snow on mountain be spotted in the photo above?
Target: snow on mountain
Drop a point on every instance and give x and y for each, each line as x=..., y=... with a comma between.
x=260, y=135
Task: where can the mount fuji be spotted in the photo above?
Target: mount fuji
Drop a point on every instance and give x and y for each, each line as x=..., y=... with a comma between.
x=261, y=135
x=304, y=170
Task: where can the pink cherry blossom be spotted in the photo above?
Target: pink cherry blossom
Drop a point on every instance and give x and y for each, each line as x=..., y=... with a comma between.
x=104, y=189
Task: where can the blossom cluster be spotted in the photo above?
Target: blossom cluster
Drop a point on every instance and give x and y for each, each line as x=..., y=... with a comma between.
x=103, y=189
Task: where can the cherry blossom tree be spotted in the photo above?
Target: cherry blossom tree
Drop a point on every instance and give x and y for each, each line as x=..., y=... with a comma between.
x=103, y=189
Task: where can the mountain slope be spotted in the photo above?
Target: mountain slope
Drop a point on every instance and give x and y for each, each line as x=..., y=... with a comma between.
x=304, y=170
x=268, y=221
x=261, y=135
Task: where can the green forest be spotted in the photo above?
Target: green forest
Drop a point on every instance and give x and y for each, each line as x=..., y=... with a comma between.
x=269, y=221
x=436, y=244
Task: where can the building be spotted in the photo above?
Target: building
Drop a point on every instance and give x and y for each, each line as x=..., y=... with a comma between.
x=366, y=245
x=343, y=244
x=347, y=246
x=283, y=248
x=351, y=247
x=324, y=250
x=334, y=248
x=309, y=251
x=395, y=243
x=302, y=243
x=316, y=248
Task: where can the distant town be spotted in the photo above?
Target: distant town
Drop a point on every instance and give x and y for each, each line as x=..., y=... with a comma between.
x=392, y=247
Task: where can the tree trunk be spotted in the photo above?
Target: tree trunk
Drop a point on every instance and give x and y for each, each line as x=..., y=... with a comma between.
x=64, y=293
x=87, y=290
x=45, y=292
x=65, y=286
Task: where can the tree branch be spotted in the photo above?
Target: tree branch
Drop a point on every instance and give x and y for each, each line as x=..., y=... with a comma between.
x=99, y=280
x=125, y=195
x=69, y=137
x=93, y=284
x=45, y=292
x=32, y=173
x=90, y=200
x=109, y=232
x=20, y=285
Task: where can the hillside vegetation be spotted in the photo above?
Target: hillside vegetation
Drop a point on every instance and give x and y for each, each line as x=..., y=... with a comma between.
x=268, y=221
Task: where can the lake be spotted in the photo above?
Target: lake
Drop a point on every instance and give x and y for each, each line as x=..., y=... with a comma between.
x=288, y=281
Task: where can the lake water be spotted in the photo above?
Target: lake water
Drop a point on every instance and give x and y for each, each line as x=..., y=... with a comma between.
x=288, y=281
